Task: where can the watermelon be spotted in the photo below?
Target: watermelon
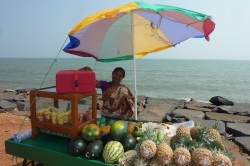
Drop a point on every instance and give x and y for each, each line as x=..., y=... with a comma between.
x=76, y=146
x=128, y=142
x=93, y=149
x=112, y=151
x=119, y=130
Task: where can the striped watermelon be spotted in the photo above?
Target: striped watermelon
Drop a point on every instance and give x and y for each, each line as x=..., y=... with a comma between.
x=112, y=151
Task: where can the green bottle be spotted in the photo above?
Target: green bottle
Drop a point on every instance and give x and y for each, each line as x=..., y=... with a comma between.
x=102, y=121
x=68, y=107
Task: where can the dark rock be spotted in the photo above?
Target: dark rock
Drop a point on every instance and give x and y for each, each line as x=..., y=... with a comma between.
x=244, y=142
x=226, y=117
x=20, y=106
x=166, y=118
x=210, y=124
x=18, y=91
x=2, y=111
x=238, y=129
x=218, y=100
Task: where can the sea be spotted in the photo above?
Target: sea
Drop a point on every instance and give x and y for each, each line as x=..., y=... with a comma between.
x=158, y=78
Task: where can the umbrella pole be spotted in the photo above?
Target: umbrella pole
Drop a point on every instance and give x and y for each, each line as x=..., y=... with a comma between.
x=134, y=60
x=135, y=88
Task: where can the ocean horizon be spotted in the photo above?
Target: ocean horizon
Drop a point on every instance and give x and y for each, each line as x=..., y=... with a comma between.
x=157, y=78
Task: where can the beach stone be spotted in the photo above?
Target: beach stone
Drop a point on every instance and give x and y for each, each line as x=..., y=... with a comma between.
x=190, y=113
x=210, y=123
x=244, y=142
x=7, y=96
x=226, y=117
x=218, y=100
x=225, y=109
x=199, y=105
x=6, y=105
x=242, y=109
x=12, y=96
x=7, y=90
x=238, y=129
x=157, y=108
x=199, y=109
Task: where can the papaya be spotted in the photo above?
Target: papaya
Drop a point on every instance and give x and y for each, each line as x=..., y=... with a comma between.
x=119, y=130
x=105, y=129
x=90, y=132
x=131, y=127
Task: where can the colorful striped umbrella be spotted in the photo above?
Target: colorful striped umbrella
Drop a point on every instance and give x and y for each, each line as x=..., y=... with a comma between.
x=136, y=28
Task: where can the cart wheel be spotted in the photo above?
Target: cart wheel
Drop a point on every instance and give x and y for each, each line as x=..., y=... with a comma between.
x=27, y=162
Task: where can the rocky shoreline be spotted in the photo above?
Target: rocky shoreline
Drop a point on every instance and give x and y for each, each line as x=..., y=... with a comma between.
x=233, y=118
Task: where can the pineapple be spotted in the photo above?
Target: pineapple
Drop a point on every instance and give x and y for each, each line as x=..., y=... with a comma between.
x=139, y=161
x=183, y=141
x=183, y=130
x=220, y=159
x=155, y=135
x=202, y=157
x=164, y=154
x=216, y=135
x=182, y=157
x=194, y=131
x=148, y=149
x=154, y=162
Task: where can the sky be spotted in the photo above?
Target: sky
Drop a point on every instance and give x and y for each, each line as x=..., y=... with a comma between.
x=38, y=29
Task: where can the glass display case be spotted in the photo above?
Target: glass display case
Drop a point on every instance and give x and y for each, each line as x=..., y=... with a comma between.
x=64, y=113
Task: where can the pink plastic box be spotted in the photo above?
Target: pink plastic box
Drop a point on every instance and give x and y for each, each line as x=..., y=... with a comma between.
x=75, y=81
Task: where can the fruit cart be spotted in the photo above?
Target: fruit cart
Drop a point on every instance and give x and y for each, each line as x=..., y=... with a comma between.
x=52, y=149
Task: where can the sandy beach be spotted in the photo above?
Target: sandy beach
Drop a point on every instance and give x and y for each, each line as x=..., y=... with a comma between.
x=12, y=119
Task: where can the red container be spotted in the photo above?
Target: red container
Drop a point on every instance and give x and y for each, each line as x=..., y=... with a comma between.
x=75, y=81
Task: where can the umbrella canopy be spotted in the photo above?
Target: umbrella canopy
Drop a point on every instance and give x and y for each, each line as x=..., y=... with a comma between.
x=136, y=29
